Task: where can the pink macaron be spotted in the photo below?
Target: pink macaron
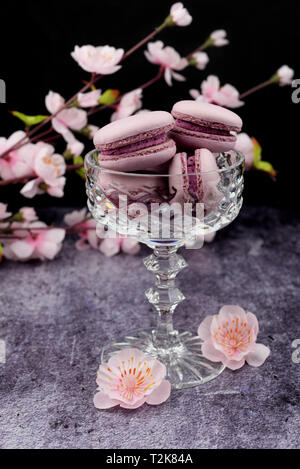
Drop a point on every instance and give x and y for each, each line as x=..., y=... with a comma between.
x=194, y=179
x=136, y=143
x=204, y=125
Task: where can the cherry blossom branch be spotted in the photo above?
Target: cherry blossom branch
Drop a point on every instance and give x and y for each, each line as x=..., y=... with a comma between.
x=24, y=179
x=94, y=79
x=256, y=88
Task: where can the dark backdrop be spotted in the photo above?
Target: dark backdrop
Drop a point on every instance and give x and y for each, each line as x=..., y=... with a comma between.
x=37, y=38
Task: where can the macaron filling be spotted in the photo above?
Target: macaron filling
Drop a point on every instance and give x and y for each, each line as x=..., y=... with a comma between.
x=192, y=176
x=148, y=142
x=202, y=128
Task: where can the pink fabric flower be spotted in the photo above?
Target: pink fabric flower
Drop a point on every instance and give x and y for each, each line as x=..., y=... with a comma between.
x=218, y=38
x=245, y=145
x=102, y=59
x=71, y=118
x=230, y=337
x=285, y=75
x=130, y=103
x=16, y=163
x=112, y=246
x=39, y=243
x=180, y=15
x=200, y=60
x=49, y=168
x=226, y=95
x=89, y=99
x=87, y=233
x=130, y=379
x=168, y=58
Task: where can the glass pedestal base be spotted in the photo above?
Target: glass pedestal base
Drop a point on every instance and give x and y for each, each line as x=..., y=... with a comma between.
x=186, y=366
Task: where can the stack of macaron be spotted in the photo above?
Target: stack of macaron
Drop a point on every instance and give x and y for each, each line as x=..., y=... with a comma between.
x=183, y=144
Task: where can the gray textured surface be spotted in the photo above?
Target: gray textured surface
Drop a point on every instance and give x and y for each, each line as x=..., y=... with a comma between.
x=55, y=317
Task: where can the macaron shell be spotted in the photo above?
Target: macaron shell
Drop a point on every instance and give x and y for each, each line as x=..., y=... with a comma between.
x=147, y=158
x=189, y=139
x=206, y=166
x=178, y=179
x=208, y=112
x=133, y=126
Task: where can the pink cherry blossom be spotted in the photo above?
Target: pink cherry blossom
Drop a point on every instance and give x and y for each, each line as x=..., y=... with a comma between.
x=38, y=243
x=218, y=38
x=66, y=119
x=226, y=95
x=129, y=379
x=16, y=163
x=49, y=168
x=245, y=145
x=230, y=337
x=89, y=99
x=129, y=103
x=112, y=246
x=168, y=58
x=92, y=129
x=3, y=211
x=180, y=15
x=102, y=59
x=75, y=147
x=25, y=216
x=200, y=60
x=285, y=75
x=87, y=233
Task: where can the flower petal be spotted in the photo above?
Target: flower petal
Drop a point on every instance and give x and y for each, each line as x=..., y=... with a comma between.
x=258, y=354
x=133, y=406
x=102, y=401
x=211, y=353
x=233, y=364
x=204, y=329
x=160, y=394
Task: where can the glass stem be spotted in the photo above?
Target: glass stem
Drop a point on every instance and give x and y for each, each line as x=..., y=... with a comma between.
x=165, y=263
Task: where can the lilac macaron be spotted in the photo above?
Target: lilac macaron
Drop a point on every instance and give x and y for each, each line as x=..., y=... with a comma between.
x=194, y=178
x=204, y=125
x=136, y=143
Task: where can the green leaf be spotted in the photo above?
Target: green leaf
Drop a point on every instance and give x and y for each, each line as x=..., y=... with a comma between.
x=79, y=171
x=1, y=252
x=108, y=97
x=29, y=120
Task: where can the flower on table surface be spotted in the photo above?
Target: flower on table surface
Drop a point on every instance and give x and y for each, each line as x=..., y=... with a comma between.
x=180, y=15
x=199, y=60
x=66, y=119
x=112, y=246
x=283, y=76
x=49, y=168
x=129, y=379
x=88, y=99
x=212, y=92
x=40, y=242
x=102, y=59
x=18, y=162
x=230, y=337
x=87, y=229
x=129, y=103
x=219, y=38
x=168, y=58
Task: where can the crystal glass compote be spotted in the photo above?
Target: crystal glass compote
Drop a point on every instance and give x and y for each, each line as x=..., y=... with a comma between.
x=150, y=208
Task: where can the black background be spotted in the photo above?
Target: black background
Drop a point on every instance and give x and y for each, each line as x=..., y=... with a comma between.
x=37, y=38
